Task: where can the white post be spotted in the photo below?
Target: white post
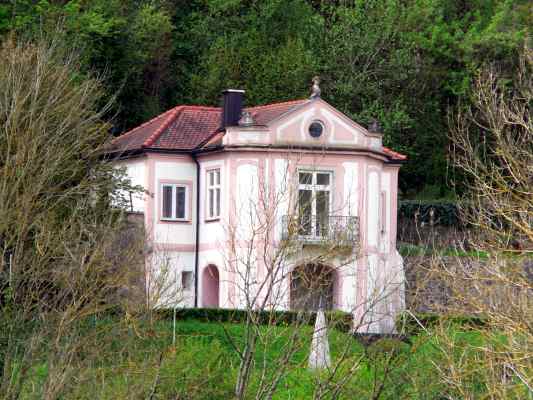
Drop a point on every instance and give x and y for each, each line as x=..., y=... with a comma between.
x=174, y=311
x=319, y=357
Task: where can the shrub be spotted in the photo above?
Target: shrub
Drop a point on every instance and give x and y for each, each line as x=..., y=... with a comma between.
x=341, y=321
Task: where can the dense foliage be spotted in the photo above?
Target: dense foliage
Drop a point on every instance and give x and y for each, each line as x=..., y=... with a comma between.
x=403, y=62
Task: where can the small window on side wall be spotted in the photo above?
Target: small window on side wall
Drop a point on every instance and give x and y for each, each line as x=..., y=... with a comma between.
x=174, y=202
x=213, y=194
x=186, y=280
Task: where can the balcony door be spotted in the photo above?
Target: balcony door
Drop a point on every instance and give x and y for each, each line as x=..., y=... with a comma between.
x=314, y=203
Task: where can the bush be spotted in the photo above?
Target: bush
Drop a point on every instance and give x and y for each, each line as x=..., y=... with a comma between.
x=446, y=213
x=339, y=320
x=406, y=324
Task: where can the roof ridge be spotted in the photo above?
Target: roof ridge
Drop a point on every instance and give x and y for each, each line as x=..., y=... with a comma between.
x=278, y=104
x=133, y=130
x=208, y=138
x=154, y=136
x=201, y=107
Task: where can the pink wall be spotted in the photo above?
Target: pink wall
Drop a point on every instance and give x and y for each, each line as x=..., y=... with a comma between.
x=343, y=141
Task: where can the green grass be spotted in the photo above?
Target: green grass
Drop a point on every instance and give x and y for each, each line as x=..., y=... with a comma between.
x=407, y=249
x=203, y=363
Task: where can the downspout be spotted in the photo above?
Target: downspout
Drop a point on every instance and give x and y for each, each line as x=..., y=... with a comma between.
x=197, y=241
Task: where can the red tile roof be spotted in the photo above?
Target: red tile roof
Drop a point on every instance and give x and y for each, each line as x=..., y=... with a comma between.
x=180, y=128
x=189, y=127
x=394, y=155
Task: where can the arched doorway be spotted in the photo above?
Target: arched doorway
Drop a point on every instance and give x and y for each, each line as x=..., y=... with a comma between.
x=210, y=286
x=312, y=284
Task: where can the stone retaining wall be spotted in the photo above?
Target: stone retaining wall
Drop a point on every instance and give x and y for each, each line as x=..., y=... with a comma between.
x=467, y=285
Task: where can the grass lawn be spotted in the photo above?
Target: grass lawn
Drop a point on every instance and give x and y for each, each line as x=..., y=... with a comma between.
x=203, y=364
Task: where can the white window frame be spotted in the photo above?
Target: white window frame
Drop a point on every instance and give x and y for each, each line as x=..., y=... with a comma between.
x=174, y=207
x=314, y=187
x=215, y=187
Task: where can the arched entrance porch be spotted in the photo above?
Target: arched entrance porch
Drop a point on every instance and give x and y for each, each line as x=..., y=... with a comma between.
x=210, y=287
x=311, y=285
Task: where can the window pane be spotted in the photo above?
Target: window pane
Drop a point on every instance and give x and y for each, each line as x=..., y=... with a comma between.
x=217, y=175
x=306, y=178
x=322, y=212
x=304, y=208
x=180, y=202
x=322, y=179
x=211, y=202
x=218, y=203
x=322, y=202
x=167, y=201
x=211, y=178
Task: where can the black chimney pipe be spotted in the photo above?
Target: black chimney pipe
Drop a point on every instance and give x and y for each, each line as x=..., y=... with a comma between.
x=232, y=107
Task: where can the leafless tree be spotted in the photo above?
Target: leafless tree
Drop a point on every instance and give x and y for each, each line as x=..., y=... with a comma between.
x=261, y=260
x=492, y=144
x=62, y=260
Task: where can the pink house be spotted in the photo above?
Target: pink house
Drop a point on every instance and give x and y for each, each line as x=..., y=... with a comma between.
x=286, y=206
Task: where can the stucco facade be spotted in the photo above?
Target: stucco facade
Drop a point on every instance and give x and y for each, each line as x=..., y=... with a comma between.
x=229, y=237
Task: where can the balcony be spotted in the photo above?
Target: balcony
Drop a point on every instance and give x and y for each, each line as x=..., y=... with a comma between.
x=335, y=230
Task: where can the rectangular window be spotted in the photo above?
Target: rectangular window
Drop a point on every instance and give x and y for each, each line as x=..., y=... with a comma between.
x=186, y=280
x=213, y=194
x=314, y=202
x=174, y=202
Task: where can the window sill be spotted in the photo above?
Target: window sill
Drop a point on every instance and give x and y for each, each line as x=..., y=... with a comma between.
x=175, y=221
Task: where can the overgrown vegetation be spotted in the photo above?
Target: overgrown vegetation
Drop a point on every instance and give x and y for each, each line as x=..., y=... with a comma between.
x=403, y=62
x=492, y=142
x=201, y=364
x=59, y=223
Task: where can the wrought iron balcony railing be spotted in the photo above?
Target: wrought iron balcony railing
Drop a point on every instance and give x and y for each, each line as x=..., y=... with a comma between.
x=336, y=229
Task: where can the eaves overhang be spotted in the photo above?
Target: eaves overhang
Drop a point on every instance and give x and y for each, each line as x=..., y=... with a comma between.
x=128, y=154
x=313, y=149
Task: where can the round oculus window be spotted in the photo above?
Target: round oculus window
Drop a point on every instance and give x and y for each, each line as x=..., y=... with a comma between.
x=315, y=129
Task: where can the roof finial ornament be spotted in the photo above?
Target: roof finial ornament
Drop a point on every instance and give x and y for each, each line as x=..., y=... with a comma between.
x=315, y=90
x=246, y=119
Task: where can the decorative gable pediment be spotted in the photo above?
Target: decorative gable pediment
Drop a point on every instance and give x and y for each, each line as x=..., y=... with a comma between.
x=314, y=123
x=336, y=130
